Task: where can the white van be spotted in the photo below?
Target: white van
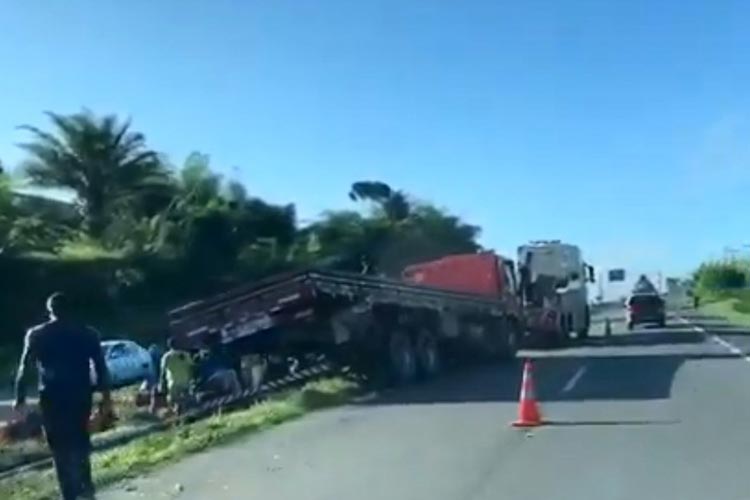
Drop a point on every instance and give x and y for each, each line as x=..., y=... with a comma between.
x=563, y=262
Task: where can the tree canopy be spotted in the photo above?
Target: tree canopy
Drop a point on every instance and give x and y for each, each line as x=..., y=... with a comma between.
x=171, y=232
x=104, y=162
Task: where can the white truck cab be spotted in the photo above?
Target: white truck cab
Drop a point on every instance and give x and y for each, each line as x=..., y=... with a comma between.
x=563, y=263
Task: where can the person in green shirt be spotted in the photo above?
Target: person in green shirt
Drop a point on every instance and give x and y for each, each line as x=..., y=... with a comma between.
x=176, y=374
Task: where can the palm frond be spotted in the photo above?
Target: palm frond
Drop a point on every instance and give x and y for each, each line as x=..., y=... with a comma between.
x=101, y=159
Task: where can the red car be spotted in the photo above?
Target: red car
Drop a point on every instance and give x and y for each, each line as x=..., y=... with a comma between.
x=645, y=308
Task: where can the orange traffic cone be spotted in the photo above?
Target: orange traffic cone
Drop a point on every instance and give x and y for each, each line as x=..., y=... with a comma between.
x=528, y=409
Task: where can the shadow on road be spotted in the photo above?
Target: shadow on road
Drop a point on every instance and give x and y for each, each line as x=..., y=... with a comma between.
x=647, y=338
x=613, y=320
x=588, y=423
x=728, y=330
x=698, y=317
x=568, y=377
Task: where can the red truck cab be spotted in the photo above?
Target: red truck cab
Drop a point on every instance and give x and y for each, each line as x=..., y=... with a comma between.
x=490, y=275
x=486, y=274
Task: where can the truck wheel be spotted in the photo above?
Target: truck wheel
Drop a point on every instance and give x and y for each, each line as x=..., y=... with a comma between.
x=428, y=354
x=402, y=358
x=561, y=335
x=510, y=340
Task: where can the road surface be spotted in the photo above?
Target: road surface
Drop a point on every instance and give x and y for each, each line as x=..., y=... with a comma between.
x=654, y=414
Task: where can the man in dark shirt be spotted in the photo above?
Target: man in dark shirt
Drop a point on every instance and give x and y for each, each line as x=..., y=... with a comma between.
x=62, y=350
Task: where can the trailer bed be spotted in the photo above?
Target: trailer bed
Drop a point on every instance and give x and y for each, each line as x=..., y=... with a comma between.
x=296, y=297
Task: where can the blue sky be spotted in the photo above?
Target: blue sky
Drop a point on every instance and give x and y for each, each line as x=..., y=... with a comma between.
x=621, y=126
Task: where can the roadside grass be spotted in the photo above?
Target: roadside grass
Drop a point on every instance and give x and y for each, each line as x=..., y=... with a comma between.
x=732, y=305
x=130, y=418
x=148, y=453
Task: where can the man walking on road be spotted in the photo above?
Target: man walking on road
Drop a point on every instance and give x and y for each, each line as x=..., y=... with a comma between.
x=62, y=350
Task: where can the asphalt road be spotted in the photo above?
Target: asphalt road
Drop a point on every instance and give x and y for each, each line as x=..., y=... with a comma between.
x=651, y=414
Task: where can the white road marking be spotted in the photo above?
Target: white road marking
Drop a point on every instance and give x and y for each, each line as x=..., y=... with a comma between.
x=574, y=379
x=732, y=348
x=715, y=338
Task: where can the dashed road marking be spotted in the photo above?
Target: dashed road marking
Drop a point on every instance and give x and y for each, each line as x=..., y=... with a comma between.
x=574, y=379
x=715, y=338
x=732, y=348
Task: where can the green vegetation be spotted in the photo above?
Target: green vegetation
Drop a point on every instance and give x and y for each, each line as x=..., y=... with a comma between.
x=141, y=235
x=148, y=453
x=733, y=305
x=715, y=277
x=131, y=420
x=722, y=288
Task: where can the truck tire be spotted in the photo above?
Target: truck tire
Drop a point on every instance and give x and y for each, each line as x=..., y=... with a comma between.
x=401, y=358
x=429, y=361
x=563, y=332
x=511, y=340
x=502, y=342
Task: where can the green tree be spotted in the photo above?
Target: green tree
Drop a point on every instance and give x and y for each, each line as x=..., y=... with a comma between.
x=718, y=276
x=6, y=212
x=210, y=223
x=388, y=239
x=428, y=233
x=393, y=205
x=105, y=163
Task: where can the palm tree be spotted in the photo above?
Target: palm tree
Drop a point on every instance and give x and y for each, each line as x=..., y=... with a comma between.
x=102, y=160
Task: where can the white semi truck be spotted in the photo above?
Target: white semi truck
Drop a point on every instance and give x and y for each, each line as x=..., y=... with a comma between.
x=562, y=265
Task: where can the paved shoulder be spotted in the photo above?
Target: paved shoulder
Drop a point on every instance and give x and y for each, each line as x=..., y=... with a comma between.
x=364, y=452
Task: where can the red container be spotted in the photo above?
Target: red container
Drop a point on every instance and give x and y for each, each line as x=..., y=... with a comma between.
x=480, y=274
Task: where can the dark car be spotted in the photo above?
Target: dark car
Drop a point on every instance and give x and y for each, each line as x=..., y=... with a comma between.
x=645, y=308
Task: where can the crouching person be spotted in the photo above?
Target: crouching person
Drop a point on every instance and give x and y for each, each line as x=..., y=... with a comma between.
x=217, y=374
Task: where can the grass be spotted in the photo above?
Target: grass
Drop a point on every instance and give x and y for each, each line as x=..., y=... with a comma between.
x=732, y=305
x=130, y=419
x=149, y=453
x=82, y=249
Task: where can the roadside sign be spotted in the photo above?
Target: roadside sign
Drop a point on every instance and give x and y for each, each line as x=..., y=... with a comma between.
x=616, y=275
